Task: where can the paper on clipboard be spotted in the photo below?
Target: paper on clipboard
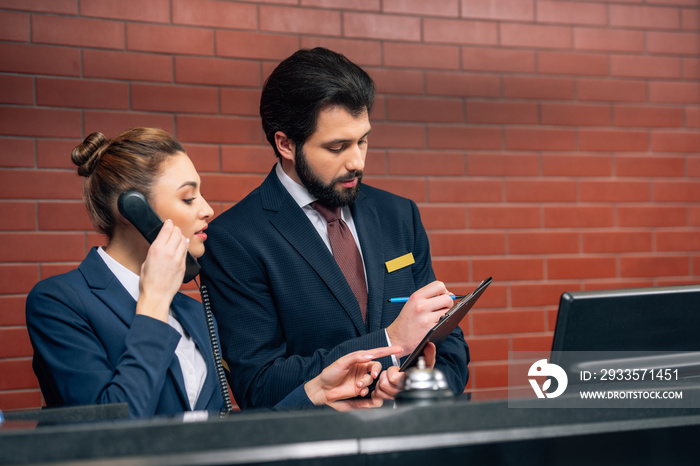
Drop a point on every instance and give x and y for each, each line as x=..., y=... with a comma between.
x=446, y=325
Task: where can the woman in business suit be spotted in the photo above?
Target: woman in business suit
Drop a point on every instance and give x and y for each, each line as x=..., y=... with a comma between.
x=116, y=329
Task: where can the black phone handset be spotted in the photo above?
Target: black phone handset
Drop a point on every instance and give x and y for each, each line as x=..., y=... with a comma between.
x=135, y=208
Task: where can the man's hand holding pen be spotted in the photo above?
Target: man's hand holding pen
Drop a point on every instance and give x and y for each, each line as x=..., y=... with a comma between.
x=420, y=313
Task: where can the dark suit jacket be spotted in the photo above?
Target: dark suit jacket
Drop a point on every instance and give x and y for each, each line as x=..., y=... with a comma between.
x=284, y=308
x=90, y=347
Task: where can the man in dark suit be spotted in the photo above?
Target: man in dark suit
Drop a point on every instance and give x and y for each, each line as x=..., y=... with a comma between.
x=294, y=287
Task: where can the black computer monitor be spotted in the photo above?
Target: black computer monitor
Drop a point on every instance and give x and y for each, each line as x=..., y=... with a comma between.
x=637, y=319
x=645, y=321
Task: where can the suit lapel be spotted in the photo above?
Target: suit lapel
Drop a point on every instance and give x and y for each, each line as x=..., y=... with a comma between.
x=110, y=291
x=369, y=232
x=107, y=288
x=191, y=317
x=293, y=224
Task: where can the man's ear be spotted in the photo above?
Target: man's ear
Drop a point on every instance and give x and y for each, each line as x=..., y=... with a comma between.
x=285, y=146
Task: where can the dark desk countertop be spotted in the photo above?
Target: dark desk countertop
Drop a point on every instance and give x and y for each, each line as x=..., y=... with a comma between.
x=455, y=432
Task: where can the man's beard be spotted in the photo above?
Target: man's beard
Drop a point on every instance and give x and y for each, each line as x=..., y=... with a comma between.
x=326, y=194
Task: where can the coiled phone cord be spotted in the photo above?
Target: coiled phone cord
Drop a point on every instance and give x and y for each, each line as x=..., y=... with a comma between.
x=216, y=351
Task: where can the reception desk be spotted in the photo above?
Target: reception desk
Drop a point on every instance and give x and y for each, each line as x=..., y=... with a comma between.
x=453, y=432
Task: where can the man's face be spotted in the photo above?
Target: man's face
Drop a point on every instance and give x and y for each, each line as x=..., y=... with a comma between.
x=331, y=161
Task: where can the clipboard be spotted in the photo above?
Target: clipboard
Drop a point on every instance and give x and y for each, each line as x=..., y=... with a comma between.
x=446, y=324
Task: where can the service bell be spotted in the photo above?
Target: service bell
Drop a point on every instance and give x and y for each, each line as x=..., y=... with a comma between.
x=424, y=385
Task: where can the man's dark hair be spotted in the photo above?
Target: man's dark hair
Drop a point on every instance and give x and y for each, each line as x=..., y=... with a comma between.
x=306, y=83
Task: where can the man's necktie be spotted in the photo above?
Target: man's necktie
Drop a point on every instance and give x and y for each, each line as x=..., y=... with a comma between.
x=346, y=254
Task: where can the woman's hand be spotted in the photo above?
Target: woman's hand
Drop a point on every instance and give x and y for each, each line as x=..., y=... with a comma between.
x=162, y=272
x=349, y=376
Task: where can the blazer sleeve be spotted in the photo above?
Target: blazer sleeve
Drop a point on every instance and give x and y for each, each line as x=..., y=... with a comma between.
x=72, y=363
x=297, y=399
x=453, y=354
x=263, y=369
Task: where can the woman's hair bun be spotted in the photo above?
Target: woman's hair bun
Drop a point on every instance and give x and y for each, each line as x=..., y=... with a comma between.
x=87, y=155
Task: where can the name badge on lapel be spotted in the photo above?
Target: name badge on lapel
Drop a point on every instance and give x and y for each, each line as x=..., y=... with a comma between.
x=400, y=262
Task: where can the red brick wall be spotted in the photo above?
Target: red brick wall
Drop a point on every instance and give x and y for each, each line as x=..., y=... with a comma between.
x=551, y=144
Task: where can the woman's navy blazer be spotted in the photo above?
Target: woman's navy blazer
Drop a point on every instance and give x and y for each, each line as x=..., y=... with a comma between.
x=90, y=347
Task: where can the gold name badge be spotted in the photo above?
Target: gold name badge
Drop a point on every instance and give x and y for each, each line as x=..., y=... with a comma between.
x=400, y=262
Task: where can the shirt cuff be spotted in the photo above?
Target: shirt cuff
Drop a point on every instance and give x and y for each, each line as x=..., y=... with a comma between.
x=394, y=359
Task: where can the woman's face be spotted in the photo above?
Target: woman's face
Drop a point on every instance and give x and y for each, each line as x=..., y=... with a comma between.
x=175, y=195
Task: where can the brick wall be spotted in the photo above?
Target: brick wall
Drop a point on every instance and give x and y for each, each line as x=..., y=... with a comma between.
x=553, y=145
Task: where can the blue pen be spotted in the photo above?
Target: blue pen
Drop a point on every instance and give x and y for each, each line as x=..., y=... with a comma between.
x=405, y=298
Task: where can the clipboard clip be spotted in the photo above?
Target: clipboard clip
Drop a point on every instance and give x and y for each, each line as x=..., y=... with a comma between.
x=446, y=324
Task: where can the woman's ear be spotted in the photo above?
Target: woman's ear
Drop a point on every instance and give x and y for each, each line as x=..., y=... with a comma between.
x=285, y=146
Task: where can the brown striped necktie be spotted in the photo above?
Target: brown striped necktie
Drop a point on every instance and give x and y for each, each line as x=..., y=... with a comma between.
x=346, y=253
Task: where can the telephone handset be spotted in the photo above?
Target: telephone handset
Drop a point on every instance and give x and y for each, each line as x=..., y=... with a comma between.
x=135, y=208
